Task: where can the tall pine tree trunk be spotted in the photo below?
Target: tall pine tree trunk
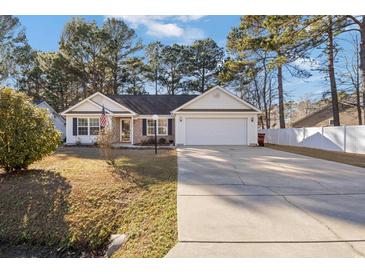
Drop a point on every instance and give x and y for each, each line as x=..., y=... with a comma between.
x=172, y=84
x=266, y=111
x=362, y=62
x=358, y=106
x=270, y=103
x=264, y=97
x=267, y=122
x=84, y=88
x=358, y=86
x=156, y=82
x=331, y=73
x=203, y=81
x=115, y=83
x=115, y=74
x=281, y=96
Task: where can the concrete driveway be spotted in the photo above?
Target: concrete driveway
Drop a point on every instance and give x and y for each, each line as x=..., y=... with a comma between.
x=257, y=202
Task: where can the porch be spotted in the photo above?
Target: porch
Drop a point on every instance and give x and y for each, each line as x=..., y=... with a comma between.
x=122, y=128
x=138, y=146
x=129, y=131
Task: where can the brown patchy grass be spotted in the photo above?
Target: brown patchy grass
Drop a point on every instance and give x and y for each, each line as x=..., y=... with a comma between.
x=340, y=157
x=72, y=201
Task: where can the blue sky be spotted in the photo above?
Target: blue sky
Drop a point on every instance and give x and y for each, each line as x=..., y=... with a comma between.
x=44, y=32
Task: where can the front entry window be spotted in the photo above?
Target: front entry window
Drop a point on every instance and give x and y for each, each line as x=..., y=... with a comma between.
x=126, y=130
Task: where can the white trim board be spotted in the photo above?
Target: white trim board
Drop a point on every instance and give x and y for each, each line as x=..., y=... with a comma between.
x=224, y=91
x=96, y=104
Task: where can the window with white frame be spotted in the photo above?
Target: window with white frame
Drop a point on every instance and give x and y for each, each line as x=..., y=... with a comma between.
x=88, y=126
x=150, y=127
x=94, y=126
x=161, y=124
x=162, y=127
x=82, y=126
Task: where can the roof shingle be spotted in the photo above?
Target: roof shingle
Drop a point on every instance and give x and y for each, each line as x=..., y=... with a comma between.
x=152, y=104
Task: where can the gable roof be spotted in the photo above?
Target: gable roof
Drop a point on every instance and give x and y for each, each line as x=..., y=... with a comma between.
x=152, y=104
x=89, y=99
x=321, y=114
x=252, y=108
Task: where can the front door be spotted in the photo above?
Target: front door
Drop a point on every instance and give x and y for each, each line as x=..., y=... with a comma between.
x=125, y=130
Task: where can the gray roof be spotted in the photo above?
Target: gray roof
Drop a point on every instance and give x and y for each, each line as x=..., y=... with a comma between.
x=152, y=104
x=37, y=102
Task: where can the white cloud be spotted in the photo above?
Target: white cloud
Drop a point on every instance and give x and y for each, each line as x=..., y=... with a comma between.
x=166, y=26
x=164, y=30
x=307, y=63
x=192, y=34
x=137, y=20
x=188, y=18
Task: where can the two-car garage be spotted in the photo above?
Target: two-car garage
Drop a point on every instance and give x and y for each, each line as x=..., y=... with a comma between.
x=216, y=117
x=216, y=131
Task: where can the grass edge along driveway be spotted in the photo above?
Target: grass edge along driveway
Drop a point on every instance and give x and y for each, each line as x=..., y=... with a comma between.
x=340, y=157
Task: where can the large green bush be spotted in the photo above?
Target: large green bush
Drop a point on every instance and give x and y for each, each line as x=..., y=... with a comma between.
x=26, y=132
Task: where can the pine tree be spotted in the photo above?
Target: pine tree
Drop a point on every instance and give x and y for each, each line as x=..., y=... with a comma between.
x=153, y=53
x=135, y=71
x=13, y=47
x=282, y=38
x=359, y=21
x=174, y=63
x=204, y=59
x=323, y=31
x=120, y=44
x=82, y=44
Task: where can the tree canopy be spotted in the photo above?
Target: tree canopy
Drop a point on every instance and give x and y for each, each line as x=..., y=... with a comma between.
x=262, y=52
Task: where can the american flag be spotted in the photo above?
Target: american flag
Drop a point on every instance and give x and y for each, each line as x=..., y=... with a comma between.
x=103, y=119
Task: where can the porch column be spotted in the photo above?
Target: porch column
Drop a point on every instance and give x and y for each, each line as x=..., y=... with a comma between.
x=132, y=129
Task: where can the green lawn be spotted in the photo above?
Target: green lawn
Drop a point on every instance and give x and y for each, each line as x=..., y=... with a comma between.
x=70, y=203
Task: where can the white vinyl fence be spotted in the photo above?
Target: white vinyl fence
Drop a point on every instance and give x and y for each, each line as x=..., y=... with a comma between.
x=343, y=138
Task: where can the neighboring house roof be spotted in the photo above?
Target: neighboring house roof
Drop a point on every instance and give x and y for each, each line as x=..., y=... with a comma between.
x=152, y=104
x=320, y=115
x=37, y=102
x=43, y=104
x=57, y=119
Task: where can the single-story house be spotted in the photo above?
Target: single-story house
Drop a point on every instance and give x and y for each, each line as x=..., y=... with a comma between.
x=58, y=120
x=215, y=117
x=323, y=116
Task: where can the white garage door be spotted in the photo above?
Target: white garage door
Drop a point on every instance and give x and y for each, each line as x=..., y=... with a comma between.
x=217, y=131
